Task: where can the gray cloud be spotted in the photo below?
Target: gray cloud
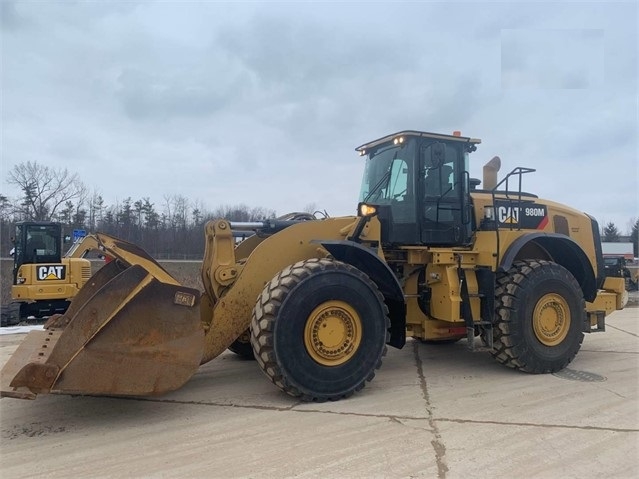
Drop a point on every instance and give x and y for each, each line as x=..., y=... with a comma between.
x=222, y=102
x=564, y=59
x=10, y=19
x=145, y=95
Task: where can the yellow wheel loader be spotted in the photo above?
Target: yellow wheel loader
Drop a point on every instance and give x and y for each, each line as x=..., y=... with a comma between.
x=429, y=256
x=44, y=280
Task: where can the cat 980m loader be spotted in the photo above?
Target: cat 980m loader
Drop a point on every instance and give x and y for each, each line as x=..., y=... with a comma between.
x=429, y=255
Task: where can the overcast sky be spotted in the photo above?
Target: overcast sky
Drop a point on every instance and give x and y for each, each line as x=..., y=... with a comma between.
x=263, y=103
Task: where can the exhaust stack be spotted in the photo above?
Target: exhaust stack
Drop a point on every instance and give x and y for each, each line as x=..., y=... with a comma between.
x=490, y=173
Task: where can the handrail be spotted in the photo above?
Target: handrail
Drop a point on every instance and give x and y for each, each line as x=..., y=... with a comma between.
x=519, y=172
x=513, y=202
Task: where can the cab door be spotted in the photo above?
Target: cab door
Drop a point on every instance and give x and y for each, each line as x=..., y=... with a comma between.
x=444, y=191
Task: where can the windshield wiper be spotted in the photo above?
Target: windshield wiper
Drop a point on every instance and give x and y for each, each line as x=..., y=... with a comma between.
x=377, y=187
x=383, y=180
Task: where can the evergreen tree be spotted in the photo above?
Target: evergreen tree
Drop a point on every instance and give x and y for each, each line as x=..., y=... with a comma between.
x=151, y=217
x=610, y=233
x=66, y=213
x=5, y=208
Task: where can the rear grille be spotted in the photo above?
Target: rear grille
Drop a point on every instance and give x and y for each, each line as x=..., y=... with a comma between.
x=86, y=273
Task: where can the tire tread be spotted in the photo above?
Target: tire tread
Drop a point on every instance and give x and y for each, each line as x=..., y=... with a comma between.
x=507, y=348
x=267, y=309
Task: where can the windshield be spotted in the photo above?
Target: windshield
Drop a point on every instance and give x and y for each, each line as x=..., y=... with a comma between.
x=386, y=174
x=37, y=243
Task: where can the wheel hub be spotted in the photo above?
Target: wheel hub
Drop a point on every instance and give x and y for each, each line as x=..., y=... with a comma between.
x=332, y=333
x=551, y=319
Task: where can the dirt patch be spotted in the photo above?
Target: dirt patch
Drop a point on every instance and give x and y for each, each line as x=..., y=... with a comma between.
x=32, y=430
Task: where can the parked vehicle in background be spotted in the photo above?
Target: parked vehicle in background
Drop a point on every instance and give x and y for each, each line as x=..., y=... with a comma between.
x=619, y=267
x=44, y=280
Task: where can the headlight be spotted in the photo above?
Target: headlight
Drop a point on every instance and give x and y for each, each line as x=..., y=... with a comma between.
x=366, y=210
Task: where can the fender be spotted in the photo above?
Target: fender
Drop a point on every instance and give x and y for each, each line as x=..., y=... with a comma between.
x=366, y=260
x=562, y=250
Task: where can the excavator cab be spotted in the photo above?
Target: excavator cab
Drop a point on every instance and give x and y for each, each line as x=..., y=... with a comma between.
x=421, y=186
x=44, y=280
x=36, y=243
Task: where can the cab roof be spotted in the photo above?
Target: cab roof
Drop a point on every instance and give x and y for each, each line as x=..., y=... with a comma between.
x=423, y=134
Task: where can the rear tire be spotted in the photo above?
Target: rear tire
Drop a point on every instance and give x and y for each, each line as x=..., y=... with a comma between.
x=319, y=330
x=540, y=313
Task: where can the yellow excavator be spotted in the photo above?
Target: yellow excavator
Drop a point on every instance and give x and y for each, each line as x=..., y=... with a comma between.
x=429, y=256
x=44, y=279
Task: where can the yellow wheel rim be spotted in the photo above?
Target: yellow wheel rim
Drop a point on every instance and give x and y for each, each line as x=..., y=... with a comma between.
x=551, y=319
x=332, y=333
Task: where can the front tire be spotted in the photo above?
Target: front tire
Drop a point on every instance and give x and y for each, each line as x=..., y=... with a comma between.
x=540, y=314
x=319, y=330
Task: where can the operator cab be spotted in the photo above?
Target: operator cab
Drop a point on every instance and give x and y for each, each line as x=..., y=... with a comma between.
x=420, y=185
x=37, y=243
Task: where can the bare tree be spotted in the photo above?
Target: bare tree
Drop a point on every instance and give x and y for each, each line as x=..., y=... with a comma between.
x=259, y=213
x=310, y=208
x=240, y=212
x=96, y=210
x=44, y=189
x=181, y=209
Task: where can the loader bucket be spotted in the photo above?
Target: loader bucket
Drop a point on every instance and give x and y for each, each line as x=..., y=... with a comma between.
x=127, y=333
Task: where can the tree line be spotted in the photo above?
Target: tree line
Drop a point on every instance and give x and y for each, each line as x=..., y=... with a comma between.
x=174, y=229
x=610, y=233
